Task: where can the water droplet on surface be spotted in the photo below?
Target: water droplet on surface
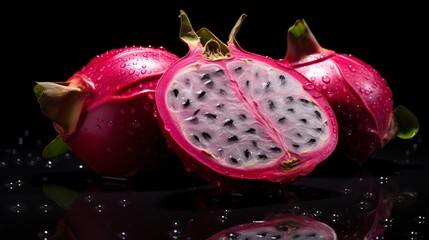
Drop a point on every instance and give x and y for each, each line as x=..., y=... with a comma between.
x=99, y=208
x=45, y=208
x=123, y=236
x=147, y=106
x=43, y=235
x=17, y=208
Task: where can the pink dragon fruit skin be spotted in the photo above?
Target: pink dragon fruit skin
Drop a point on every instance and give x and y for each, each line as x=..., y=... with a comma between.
x=104, y=112
x=358, y=94
x=234, y=114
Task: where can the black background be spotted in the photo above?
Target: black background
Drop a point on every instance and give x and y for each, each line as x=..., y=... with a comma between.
x=49, y=42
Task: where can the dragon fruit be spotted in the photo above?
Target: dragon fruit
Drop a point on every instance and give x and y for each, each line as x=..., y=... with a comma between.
x=282, y=226
x=230, y=113
x=358, y=94
x=104, y=113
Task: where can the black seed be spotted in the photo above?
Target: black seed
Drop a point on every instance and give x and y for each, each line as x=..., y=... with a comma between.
x=207, y=135
x=176, y=92
x=318, y=114
x=192, y=119
x=209, y=83
x=233, y=139
x=257, y=75
x=291, y=110
x=228, y=122
x=281, y=120
x=219, y=71
x=262, y=156
x=267, y=85
x=255, y=143
x=233, y=160
x=298, y=134
x=196, y=112
x=290, y=99
x=242, y=116
x=205, y=76
x=295, y=145
x=261, y=234
x=276, y=149
x=318, y=129
x=311, y=141
x=251, y=130
x=247, y=153
x=311, y=234
x=201, y=94
x=211, y=115
x=304, y=100
x=282, y=80
x=284, y=227
x=271, y=104
x=196, y=137
x=303, y=120
x=221, y=91
x=220, y=105
x=238, y=69
x=186, y=103
x=247, y=83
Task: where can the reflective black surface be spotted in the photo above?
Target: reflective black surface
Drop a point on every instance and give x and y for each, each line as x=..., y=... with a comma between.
x=387, y=198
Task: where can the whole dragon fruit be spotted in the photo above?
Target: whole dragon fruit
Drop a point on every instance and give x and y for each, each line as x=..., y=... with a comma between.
x=358, y=94
x=231, y=113
x=282, y=226
x=104, y=113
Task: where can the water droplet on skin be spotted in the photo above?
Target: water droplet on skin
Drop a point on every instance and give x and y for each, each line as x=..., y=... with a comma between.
x=110, y=124
x=326, y=79
x=352, y=68
x=135, y=123
x=131, y=72
x=308, y=86
x=147, y=106
x=108, y=150
x=317, y=95
x=122, y=111
x=123, y=65
x=98, y=126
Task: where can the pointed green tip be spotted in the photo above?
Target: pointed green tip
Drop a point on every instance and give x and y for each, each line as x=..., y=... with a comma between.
x=298, y=28
x=55, y=148
x=38, y=90
x=408, y=123
x=61, y=195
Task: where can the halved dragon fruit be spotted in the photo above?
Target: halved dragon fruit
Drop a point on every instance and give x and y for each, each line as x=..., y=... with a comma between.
x=285, y=226
x=358, y=94
x=104, y=113
x=231, y=113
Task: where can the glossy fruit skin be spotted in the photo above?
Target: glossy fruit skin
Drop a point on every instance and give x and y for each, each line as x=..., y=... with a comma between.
x=358, y=94
x=201, y=162
x=117, y=134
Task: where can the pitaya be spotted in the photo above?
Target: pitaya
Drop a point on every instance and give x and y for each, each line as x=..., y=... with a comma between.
x=231, y=113
x=358, y=94
x=282, y=226
x=104, y=113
